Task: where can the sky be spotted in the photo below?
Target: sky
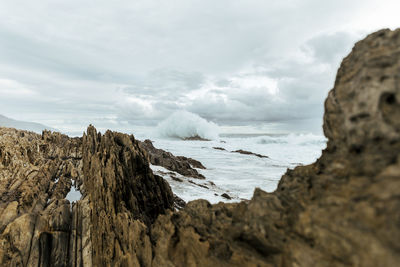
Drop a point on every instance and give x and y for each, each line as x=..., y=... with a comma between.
x=243, y=64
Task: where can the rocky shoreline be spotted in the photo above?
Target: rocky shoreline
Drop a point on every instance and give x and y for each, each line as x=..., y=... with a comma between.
x=342, y=210
x=182, y=165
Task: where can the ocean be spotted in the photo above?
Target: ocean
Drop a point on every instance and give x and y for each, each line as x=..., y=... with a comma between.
x=237, y=174
x=234, y=174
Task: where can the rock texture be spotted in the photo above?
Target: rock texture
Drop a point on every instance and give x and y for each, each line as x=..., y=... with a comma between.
x=343, y=210
x=182, y=165
x=120, y=199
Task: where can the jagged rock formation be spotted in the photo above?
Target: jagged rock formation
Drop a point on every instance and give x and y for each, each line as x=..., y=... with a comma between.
x=182, y=165
x=343, y=210
x=120, y=199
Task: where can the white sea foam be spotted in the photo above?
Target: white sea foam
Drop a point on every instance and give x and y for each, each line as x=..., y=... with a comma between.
x=183, y=124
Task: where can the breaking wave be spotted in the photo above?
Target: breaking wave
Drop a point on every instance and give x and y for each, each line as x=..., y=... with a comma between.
x=183, y=124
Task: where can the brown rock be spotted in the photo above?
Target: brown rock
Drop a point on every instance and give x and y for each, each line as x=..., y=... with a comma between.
x=121, y=197
x=182, y=165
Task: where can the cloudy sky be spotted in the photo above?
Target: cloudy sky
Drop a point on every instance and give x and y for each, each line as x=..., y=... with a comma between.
x=122, y=63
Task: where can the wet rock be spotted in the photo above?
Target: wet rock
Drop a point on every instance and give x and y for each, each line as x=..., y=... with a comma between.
x=225, y=195
x=182, y=165
x=179, y=203
x=240, y=151
x=200, y=185
x=194, y=163
x=195, y=138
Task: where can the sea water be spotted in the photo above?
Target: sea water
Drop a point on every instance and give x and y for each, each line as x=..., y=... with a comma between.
x=235, y=174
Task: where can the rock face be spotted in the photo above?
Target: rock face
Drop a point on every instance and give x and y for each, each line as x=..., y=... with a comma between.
x=343, y=210
x=120, y=199
x=182, y=165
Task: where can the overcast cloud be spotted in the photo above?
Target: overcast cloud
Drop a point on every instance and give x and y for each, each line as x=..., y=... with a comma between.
x=120, y=63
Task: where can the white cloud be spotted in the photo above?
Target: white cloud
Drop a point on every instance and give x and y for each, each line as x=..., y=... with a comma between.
x=14, y=89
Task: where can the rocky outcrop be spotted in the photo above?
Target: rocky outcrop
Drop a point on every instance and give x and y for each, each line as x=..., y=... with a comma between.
x=120, y=199
x=182, y=165
x=342, y=210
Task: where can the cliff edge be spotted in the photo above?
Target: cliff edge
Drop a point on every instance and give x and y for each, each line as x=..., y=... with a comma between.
x=342, y=210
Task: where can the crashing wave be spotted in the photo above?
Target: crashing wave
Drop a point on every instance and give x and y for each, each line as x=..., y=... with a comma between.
x=186, y=125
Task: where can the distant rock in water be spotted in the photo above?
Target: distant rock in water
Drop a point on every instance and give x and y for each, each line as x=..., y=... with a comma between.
x=342, y=210
x=240, y=151
x=225, y=195
x=182, y=165
x=195, y=138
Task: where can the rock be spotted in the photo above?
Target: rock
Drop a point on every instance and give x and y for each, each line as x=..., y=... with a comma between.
x=179, y=203
x=195, y=138
x=225, y=195
x=181, y=165
x=219, y=148
x=200, y=185
x=240, y=151
x=342, y=210
x=122, y=189
x=39, y=227
x=193, y=163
